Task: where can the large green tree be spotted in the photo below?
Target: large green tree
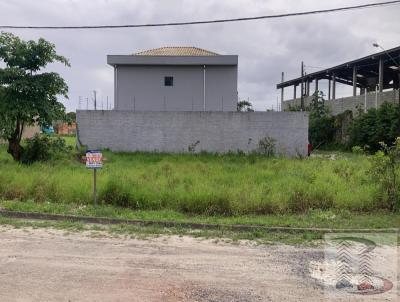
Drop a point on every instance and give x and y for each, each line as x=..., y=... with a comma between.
x=27, y=95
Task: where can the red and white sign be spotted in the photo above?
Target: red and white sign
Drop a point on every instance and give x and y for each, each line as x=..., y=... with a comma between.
x=94, y=159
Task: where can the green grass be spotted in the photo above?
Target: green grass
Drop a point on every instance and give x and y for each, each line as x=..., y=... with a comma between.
x=312, y=219
x=70, y=140
x=205, y=184
x=140, y=232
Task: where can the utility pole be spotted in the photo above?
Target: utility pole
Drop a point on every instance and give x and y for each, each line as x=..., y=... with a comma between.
x=302, y=87
x=95, y=99
x=107, y=102
x=80, y=100
x=282, y=89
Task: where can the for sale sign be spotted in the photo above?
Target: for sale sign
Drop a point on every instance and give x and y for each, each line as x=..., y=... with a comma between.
x=94, y=159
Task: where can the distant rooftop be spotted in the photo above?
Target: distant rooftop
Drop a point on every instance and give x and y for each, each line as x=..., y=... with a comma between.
x=176, y=51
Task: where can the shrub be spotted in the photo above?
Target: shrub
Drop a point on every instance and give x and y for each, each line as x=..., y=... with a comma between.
x=266, y=146
x=357, y=150
x=192, y=147
x=44, y=148
x=385, y=170
x=375, y=126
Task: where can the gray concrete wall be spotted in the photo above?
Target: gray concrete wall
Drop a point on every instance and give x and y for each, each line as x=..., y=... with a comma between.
x=141, y=88
x=351, y=103
x=176, y=131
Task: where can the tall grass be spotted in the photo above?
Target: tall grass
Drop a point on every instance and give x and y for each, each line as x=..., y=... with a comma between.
x=199, y=184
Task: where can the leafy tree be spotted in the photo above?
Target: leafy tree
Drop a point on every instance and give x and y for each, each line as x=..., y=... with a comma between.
x=321, y=128
x=28, y=96
x=369, y=129
x=244, y=106
x=70, y=118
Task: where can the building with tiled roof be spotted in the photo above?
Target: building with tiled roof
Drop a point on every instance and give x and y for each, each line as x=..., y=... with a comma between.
x=175, y=79
x=176, y=51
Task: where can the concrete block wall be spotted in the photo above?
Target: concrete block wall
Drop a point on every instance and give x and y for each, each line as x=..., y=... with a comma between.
x=176, y=131
x=352, y=103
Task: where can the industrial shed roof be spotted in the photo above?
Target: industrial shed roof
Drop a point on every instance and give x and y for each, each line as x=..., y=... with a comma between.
x=367, y=67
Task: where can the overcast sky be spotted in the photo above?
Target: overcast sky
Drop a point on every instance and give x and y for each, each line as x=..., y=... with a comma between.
x=265, y=47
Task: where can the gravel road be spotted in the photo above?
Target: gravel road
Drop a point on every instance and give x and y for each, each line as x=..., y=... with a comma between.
x=51, y=265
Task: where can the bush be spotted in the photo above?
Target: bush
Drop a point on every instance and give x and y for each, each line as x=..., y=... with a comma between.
x=357, y=150
x=266, y=146
x=44, y=148
x=375, y=126
x=385, y=169
x=321, y=127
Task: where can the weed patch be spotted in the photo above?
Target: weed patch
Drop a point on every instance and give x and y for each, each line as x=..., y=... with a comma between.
x=202, y=184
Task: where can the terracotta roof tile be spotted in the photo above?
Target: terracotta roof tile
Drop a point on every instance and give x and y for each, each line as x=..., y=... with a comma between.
x=176, y=51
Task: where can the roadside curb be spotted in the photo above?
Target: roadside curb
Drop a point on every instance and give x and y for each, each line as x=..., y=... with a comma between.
x=191, y=225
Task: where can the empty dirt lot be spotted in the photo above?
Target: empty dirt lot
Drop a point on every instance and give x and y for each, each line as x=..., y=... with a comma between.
x=50, y=265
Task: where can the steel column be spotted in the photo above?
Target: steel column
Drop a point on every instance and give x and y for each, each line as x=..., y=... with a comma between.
x=354, y=81
x=380, y=75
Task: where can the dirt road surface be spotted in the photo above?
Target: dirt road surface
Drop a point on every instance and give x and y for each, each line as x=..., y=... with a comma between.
x=50, y=265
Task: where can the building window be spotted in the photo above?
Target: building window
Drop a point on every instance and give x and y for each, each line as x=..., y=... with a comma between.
x=169, y=81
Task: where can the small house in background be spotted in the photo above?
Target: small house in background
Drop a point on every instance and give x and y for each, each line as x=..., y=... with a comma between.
x=175, y=79
x=65, y=128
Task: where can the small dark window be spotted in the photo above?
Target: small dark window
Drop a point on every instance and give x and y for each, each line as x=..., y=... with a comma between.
x=169, y=81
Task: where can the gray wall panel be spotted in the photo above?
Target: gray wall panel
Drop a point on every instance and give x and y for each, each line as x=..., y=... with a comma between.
x=175, y=131
x=141, y=88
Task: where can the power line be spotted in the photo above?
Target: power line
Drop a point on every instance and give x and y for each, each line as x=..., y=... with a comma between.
x=314, y=12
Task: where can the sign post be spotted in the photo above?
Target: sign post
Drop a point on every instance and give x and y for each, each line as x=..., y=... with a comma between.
x=94, y=160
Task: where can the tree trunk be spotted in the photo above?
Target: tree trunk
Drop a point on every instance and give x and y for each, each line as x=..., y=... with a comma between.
x=14, y=146
x=15, y=149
